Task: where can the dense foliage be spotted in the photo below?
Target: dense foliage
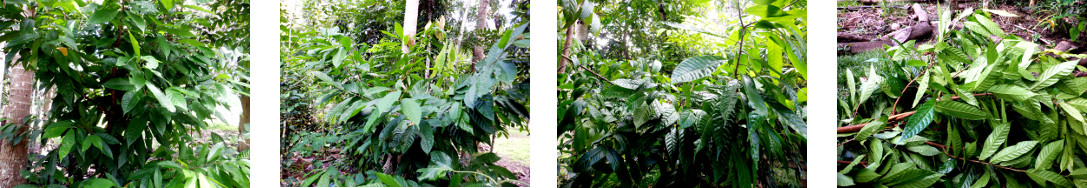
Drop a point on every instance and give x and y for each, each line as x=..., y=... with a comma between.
x=400, y=118
x=976, y=108
x=731, y=116
x=135, y=80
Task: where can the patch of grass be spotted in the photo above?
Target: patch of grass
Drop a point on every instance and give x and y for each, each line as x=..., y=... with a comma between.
x=515, y=147
x=220, y=126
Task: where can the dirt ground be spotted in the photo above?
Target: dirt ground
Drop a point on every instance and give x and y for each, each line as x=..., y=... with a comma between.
x=871, y=22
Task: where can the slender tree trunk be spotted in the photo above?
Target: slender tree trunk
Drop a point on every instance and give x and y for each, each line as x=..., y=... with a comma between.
x=481, y=24
x=244, y=144
x=13, y=157
x=566, y=48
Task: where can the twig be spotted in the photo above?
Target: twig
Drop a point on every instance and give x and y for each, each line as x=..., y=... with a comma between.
x=857, y=127
x=591, y=71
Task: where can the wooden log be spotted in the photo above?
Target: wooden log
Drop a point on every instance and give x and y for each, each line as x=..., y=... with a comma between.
x=848, y=37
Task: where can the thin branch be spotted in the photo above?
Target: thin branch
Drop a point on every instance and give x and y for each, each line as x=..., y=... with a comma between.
x=857, y=127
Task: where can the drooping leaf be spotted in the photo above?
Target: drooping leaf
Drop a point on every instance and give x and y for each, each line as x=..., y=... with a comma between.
x=960, y=110
x=920, y=120
x=1012, y=152
x=696, y=67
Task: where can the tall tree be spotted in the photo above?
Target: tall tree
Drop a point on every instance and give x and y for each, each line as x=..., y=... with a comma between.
x=13, y=156
x=481, y=24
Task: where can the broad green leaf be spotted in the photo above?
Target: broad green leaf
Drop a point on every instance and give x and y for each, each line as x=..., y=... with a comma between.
x=919, y=120
x=695, y=68
x=1071, y=111
x=871, y=128
x=960, y=110
x=56, y=129
x=152, y=62
x=119, y=84
x=995, y=139
x=989, y=25
x=1012, y=152
x=844, y=180
x=753, y=97
x=1052, y=74
x=1044, y=160
x=412, y=110
x=1011, y=92
x=387, y=180
x=312, y=178
x=925, y=150
x=163, y=100
x=870, y=86
x=1049, y=176
x=167, y=3
x=103, y=14
x=130, y=100
x=922, y=86
x=66, y=145
x=135, y=44
x=385, y=103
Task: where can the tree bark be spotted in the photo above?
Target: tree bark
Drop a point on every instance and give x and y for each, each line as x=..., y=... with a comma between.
x=243, y=144
x=566, y=49
x=13, y=157
x=481, y=24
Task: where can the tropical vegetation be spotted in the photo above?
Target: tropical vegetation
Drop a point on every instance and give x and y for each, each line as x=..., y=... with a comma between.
x=696, y=93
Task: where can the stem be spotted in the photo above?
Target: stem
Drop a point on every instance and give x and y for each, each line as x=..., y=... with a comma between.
x=857, y=127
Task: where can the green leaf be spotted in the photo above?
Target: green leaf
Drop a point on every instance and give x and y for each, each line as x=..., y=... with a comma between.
x=925, y=150
x=995, y=139
x=1012, y=92
x=1049, y=176
x=925, y=182
x=340, y=55
x=135, y=44
x=869, y=86
x=1044, y=160
x=66, y=145
x=960, y=110
x=922, y=86
x=119, y=84
x=989, y=25
x=642, y=115
x=309, y=181
x=753, y=97
x=1071, y=111
x=872, y=128
x=163, y=100
x=844, y=180
x=412, y=110
x=1012, y=152
x=1053, y=74
x=103, y=14
x=167, y=3
x=695, y=68
x=920, y=120
x=152, y=62
x=57, y=129
x=130, y=100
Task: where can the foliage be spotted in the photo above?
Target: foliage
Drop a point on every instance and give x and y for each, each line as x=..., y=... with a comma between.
x=133, y=80
x=732, y=118
x=977, y=108
x=407, y=118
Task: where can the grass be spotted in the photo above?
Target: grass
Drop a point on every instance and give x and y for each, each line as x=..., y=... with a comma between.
x=220, y=126
x=515, y=147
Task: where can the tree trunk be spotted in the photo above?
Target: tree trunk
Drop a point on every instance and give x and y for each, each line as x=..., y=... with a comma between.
x=13, y=157
x=566, y=49
x=243, y=144
x=481, y=24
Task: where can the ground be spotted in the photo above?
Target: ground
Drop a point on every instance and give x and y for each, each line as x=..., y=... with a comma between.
x=875, y=22
x=514, y=151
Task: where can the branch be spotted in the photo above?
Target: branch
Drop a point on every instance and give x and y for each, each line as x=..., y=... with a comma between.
x=857, y=127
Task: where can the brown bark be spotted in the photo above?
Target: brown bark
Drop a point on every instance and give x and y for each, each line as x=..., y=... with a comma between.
x=566, y=49
x=481, y=24
x=13, y=157
x=847, y=37
x=244, y=144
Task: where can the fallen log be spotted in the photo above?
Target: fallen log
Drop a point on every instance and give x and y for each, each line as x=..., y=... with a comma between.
x=848, y=37
x=920, y=30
